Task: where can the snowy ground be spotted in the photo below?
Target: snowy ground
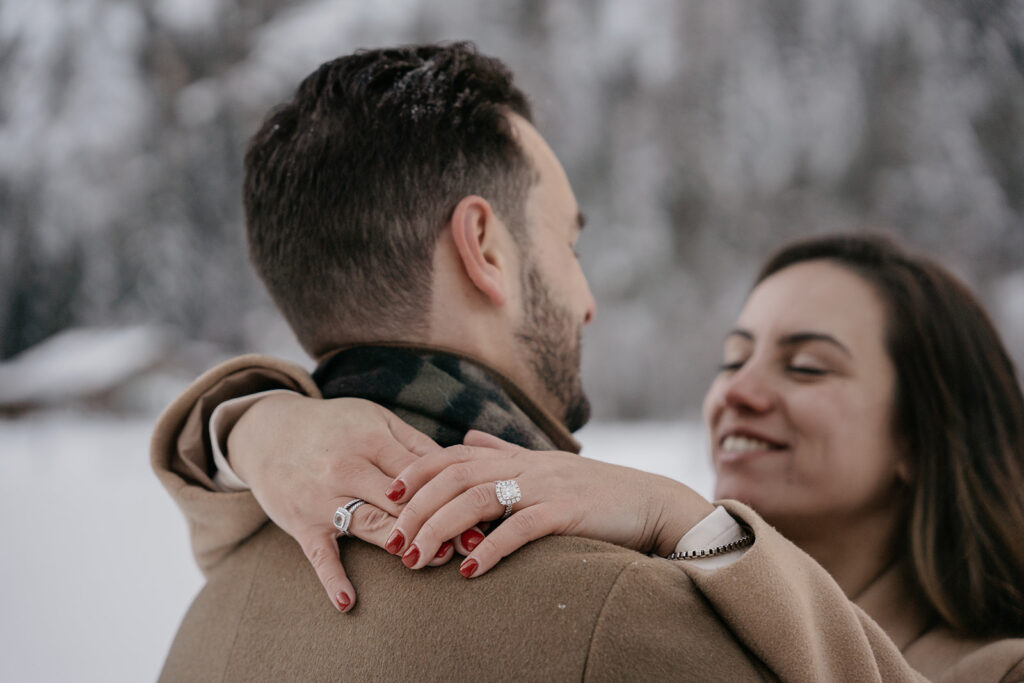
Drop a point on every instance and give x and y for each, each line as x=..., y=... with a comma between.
x=96, y=571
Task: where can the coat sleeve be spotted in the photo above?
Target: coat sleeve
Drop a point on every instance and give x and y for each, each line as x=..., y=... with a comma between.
x=181, y=456
x=789, y=612
x=655, y=625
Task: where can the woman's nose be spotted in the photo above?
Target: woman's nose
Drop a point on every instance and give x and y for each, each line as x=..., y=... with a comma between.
x=749, y=389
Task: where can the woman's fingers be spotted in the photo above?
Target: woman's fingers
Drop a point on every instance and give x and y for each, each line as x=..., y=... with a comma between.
x=468, y=540
x=475, y=437
x=321, y=549
x=451, y=520
x=320, y=545
x=401, y=445
x=532, y=520
x=368, y=483
x=524, y=526
x=427, y=467
x=409, y=437
x=469, y=483
x=303, y=459
x=444, y=553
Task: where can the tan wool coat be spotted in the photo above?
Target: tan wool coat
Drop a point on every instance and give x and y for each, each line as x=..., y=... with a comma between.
x=558, y=609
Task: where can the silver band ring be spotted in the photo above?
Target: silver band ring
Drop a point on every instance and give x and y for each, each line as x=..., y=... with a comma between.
x=343, y=515
x=508, y=494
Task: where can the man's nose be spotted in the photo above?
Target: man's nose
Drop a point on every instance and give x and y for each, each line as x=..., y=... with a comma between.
x=750, y=389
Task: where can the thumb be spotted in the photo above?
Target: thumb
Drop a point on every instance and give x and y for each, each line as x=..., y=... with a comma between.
x=322, y=553
x=412, y=439
x=484, y=440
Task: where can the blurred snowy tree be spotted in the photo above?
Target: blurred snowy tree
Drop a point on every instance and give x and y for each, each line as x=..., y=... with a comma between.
x=698, y=137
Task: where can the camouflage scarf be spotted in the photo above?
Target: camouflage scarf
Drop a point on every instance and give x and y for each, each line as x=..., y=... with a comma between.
x=441, y=394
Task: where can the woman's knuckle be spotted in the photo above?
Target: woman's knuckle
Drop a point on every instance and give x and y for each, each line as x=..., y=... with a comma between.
x=338, y=470
x=374, y=519
x=457, y=453
x=319, y=556
x=487, y=548
x=460, y=474
x=482, y=497
x=428, y=531
x=523, y=522
x=411, y=511
x=332, y=584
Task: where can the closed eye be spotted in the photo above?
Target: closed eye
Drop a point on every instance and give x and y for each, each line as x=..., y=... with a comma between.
x=730, y=367
x=807, y=370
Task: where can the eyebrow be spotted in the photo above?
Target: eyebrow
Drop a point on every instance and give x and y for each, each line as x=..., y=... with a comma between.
x=796, y=338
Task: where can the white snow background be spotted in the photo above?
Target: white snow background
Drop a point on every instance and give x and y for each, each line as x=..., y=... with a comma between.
x=121, y=124
x=96, y=571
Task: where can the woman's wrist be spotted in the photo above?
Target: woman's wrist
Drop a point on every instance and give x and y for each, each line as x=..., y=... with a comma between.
x=254, y=432
x=677, y=508
x=222, y=422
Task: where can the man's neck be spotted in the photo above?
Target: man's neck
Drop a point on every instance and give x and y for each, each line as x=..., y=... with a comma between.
x=442, y=384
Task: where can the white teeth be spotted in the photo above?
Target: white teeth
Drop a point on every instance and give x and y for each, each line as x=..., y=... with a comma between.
x=744, y=444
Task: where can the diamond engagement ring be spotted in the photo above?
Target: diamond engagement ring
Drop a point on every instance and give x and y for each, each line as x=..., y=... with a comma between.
x=508, y=494
x=343, y=515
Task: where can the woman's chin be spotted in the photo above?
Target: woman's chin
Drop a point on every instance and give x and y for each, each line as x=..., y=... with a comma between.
x=730, y=489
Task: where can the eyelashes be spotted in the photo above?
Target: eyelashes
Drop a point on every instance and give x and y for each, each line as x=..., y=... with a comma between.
x=807, y=370
x=804, y=370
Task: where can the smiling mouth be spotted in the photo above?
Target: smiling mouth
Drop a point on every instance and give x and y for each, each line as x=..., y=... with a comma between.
x=735, y=443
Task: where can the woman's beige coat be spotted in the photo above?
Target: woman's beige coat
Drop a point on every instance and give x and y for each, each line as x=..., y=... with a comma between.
x=782, y=607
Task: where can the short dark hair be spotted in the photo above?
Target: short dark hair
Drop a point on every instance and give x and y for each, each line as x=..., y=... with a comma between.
x=959, y=413
x=348, y=185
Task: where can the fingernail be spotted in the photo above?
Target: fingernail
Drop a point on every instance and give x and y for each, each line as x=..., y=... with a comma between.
x=395, y=542
x=443, y=550
x=411, y=557
x=343, y=600
x=396, y=490
x=471, y=539
x=468, y=567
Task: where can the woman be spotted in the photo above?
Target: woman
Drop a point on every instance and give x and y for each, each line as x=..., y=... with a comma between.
x=865, y=408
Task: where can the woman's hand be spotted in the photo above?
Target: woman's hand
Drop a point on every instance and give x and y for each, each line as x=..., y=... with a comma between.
x=562, y=493
x=303, y=458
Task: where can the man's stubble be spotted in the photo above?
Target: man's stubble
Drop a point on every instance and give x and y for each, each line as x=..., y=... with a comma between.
x=552, y=340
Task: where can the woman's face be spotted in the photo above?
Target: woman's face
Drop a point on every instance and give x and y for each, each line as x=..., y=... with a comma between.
x=800, y=415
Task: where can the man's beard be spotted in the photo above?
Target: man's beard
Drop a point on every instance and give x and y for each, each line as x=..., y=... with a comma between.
x=552, y=341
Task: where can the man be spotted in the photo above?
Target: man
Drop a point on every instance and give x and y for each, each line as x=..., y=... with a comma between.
x=417, y=233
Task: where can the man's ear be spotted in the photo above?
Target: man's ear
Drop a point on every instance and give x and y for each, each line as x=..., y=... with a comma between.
x=479, y=239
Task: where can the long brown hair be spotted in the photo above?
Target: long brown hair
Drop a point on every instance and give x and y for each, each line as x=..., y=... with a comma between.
x=960, y=413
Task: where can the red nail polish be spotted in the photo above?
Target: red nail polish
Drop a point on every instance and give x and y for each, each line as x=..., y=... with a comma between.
x=395, y=542
x=343, y=600
x=443, y=550
x=471, y=539
x=396, y=490
x=468, y=567
x=411, y=557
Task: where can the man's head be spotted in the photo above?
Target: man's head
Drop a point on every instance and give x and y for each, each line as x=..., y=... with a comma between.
x=349, y=184
x=403, y=195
